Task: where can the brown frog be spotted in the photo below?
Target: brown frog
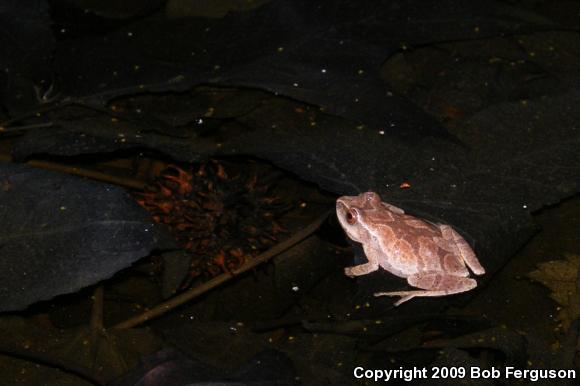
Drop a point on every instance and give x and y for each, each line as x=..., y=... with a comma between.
x=432, y=257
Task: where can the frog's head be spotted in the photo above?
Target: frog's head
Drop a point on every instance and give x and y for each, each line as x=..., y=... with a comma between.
x=352, y=213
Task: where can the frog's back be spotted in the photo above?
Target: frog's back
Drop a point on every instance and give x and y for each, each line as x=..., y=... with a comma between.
x=411, y=245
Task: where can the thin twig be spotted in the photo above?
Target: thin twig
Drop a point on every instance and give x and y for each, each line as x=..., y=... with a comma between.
x=130, y=183
x=25, y=127
x=96, y=326
x=192, y=293
x=97, y=310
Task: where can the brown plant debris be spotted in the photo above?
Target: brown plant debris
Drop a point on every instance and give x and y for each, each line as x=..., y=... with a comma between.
x=221, y=213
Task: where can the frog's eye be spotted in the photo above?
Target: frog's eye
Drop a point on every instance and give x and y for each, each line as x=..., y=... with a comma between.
x=351, y=216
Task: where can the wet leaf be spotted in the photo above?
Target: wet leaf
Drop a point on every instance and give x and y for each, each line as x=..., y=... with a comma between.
x=563, y=279
x=62, y=233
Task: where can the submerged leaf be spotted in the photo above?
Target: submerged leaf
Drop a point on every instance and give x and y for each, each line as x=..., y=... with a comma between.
x=562, y=277
x=106, y=355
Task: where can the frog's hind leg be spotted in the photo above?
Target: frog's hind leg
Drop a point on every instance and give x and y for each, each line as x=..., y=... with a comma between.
x=432, y=284
x=463, y=247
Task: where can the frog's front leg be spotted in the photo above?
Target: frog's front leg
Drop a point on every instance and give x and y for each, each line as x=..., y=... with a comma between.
x=432, y=284
x=362, y=269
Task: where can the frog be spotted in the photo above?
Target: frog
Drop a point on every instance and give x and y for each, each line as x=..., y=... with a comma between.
x=432, y=257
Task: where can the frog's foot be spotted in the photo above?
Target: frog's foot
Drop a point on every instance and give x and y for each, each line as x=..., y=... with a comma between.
x=363, y=269
x=405, y=295
x=408, y=295
x=432, y=284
